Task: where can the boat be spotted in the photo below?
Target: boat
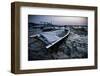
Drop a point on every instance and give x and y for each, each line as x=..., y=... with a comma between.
x=51, y=38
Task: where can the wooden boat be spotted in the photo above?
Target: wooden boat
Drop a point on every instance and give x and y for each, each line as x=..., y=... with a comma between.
x=51, y=38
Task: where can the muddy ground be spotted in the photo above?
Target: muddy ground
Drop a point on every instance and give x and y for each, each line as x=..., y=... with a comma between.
x=73, y=47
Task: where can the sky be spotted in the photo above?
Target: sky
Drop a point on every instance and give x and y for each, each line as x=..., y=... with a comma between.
x=58, y=20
